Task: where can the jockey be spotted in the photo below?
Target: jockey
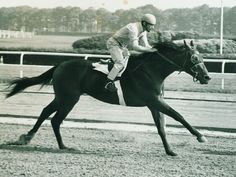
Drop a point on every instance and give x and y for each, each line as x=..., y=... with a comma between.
x=134, y=34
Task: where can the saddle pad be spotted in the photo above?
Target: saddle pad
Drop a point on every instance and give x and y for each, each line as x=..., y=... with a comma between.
x=103, y=68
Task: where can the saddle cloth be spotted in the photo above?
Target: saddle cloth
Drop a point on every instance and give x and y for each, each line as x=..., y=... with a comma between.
x=105, y=66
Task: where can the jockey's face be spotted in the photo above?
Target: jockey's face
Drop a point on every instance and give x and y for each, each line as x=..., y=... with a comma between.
x=147, y=26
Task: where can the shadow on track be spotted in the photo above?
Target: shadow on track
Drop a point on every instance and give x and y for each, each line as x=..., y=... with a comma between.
x=219, y=152
x=43, y=149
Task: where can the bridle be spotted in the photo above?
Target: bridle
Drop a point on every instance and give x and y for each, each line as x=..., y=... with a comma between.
x=183, y=67
x=180, y=67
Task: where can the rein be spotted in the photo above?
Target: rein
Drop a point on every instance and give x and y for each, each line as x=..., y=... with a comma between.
x=164, y=57
x=181, y=68
x=140, y=64
x=171, y=62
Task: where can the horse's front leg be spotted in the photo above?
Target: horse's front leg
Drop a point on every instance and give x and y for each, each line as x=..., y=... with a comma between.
x=166, y=109
x=160, y=124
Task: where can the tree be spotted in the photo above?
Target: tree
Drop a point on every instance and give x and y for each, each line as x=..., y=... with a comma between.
x=104, y=20
x=229, y=21
x=202, y=19
x=73, y=16
x=88, y=20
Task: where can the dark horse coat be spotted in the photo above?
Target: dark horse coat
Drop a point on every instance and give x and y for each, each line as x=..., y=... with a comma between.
x=141, y=84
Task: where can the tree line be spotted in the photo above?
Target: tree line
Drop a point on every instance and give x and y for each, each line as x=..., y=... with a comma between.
x=202, y=19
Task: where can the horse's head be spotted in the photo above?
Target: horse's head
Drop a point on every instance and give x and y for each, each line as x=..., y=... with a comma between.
x=183, y=58
x=194, y=64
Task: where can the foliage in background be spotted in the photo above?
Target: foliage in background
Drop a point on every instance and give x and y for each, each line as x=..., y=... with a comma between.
x=207, y=46
x=203, y=19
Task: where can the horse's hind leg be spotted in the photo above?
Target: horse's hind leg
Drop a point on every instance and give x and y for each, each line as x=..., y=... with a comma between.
x=47, y=111
x=61, y=114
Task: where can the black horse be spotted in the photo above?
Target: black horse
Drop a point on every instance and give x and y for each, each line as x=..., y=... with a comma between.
x=141, y=84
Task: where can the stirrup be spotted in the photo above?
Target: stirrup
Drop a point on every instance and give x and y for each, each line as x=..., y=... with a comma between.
x=110, y=86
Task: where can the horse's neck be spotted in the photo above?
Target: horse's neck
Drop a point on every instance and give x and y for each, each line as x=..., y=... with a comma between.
x=161, y=69
x=155, y=64
x=172, y=61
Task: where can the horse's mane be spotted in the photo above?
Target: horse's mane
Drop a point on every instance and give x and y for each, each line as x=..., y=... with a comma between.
x=161, y=46
x=168, y=45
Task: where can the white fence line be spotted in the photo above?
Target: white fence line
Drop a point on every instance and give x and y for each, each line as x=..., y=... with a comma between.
x=86, y=56
x=22, y=54
x=223, y=62
x=15, y=34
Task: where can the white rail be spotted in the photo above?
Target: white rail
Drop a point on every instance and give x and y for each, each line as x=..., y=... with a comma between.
x=15, y=34
x=223, y=62
x=86, y=56
x=22, y=54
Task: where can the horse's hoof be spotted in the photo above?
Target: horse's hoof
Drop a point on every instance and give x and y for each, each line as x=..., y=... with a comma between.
x=70, y=149
x=67, y=148
x=171, y=153
x=23, y=140
x=202, y=139
x=14, y=143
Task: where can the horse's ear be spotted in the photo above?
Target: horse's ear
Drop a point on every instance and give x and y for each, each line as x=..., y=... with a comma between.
x=186, y=45
x=194, y=47
x=191, y=43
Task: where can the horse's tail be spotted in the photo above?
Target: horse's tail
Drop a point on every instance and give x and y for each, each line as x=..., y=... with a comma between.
x=23, y=83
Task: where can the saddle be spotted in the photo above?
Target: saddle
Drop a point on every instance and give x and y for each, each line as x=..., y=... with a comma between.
x=107, y=62
x=105, y=66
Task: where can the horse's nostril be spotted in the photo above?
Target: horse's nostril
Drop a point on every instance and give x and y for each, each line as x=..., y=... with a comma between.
x=207, y=77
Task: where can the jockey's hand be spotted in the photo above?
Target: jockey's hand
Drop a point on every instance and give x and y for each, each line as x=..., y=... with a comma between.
x=153, y=50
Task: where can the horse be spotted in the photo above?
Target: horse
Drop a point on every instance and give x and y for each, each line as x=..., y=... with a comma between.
x=141, y=85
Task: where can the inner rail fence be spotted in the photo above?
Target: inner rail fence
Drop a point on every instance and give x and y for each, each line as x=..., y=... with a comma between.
x=22, y=54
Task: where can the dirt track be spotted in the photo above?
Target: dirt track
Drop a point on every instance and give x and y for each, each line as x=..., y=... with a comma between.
x=113, y=153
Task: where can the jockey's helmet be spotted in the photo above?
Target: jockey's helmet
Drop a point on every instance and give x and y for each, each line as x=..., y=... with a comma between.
x=149, y=18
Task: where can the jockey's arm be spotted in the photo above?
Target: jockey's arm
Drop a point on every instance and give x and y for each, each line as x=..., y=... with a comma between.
x=139, y=48
x=144, y=41
x=134, y=41
x=134, y=52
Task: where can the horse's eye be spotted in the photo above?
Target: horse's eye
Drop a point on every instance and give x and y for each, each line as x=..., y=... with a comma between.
x=194, y=58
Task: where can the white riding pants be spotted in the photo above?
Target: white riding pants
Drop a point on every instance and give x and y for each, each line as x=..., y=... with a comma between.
x=119, y=55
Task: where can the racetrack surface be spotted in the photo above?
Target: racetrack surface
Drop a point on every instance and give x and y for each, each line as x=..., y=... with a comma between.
x=116, y=153
x=106, y=153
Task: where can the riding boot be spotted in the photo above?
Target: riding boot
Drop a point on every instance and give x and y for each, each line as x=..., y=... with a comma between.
x=110, y=86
